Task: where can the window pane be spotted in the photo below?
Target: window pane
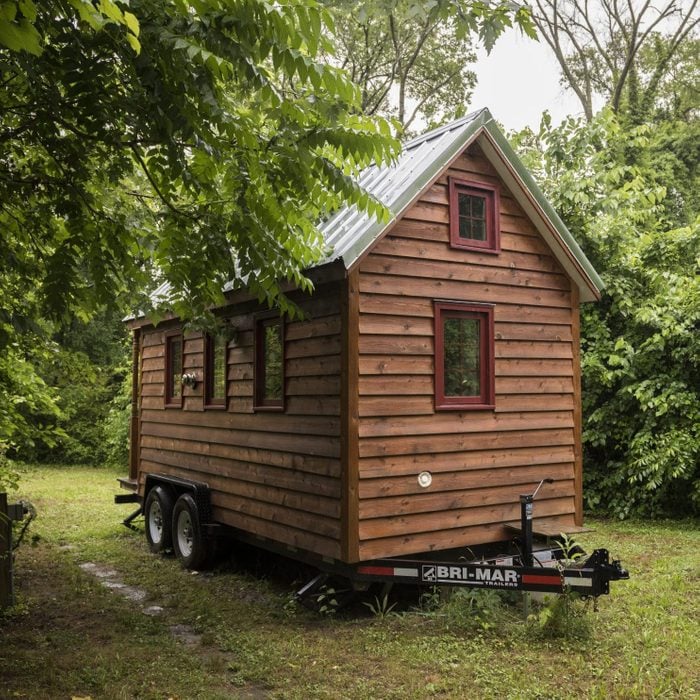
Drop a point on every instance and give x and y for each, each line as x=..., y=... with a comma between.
x=464, y=204
x=461, y=347
x=272, y=358
x=175, y=369
x=478, y=232
x=219, y=368
x=472, y=217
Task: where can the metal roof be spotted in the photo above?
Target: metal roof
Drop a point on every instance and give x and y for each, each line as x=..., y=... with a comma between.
x=351, y=233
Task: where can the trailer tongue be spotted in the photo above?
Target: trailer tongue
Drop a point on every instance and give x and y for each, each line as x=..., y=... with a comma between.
x=524, y=566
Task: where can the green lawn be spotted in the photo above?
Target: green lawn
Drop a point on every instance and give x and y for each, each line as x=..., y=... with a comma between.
x=71, y=637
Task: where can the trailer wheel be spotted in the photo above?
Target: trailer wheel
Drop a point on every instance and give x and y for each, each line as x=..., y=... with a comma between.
x=158, y=511
x=189, y=542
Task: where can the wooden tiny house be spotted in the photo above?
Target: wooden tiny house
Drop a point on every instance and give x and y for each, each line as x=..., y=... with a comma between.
x=435, y=378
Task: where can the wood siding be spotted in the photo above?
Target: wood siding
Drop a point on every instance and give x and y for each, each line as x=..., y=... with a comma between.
x=277, y=475
x=480, y=460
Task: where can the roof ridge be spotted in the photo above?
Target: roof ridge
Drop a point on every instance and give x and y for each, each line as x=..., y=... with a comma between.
x=442, y=129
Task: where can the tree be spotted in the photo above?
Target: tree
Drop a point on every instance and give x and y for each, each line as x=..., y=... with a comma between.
x=243, y=137
x=411, y=57
x=408, y=65
x=601, y=48
x=641, y=343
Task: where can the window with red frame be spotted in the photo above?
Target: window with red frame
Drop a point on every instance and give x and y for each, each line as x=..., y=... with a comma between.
x=269, y=364
x=173, y=370
x=464, y=356
x=474, y=221
x=215, y=370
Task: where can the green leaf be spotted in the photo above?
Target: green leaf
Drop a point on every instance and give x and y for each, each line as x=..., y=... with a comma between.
x=132, y=23
x=134, y=43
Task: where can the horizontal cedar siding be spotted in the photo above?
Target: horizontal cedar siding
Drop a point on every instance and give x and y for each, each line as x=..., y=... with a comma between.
x=276, y=475
x=480, y=460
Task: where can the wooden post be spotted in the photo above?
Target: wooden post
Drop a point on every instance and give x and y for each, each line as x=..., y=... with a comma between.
x=6, y=597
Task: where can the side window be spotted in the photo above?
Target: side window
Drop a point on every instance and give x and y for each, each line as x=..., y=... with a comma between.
x=474, y=219
x=173, y=370
x=215, y=370
x=464, y=356
x=269, y=364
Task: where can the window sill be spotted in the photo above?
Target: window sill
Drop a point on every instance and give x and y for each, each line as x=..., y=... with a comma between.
x=465, y=407
x=272, y=409
x=491, y=250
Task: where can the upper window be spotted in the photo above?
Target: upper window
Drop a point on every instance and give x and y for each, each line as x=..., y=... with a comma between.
x=464, y=356
x=215, y=370
x=269, y=363
x=173, y=369
x=474, y=216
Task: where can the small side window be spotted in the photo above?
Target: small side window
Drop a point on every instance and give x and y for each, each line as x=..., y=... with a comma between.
x=173, y=370
x=215, y=371
x=464, y=356
x=269, y=364
x=474, y=220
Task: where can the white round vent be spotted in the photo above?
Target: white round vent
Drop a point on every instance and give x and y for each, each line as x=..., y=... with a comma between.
x=425, y=479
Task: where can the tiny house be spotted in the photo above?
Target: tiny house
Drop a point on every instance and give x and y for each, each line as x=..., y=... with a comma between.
x=434, y=379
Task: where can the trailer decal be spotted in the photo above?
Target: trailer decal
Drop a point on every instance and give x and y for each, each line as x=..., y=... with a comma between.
x=473, y=575
x=543, y=580
x=578, y=582
x=388, y=571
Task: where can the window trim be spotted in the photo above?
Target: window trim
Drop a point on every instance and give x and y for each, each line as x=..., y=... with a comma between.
x=169, y=400
x=485, y=314
x=210, y=401
x=259, y=402
x=491, y=195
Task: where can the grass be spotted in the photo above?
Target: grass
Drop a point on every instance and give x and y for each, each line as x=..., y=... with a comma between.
x=70, y=637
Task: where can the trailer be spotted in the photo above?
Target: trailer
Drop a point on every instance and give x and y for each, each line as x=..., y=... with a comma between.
x=397, y=430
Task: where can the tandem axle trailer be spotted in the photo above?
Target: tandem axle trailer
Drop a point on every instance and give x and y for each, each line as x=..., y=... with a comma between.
x=177, y=515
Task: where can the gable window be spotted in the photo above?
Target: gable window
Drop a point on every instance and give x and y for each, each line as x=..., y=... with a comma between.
x=173, y=370
x=464, y=356
x=269, y=363
x=474, y=223
x=215, y=370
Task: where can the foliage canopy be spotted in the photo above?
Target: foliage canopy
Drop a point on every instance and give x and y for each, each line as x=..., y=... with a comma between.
x=641, y=343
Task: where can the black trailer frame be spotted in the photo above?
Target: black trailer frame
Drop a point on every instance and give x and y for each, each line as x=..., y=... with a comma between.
x=521, y=564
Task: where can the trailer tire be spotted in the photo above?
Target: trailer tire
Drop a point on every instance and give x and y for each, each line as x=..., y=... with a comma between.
x=158, y=511
x=190, y=544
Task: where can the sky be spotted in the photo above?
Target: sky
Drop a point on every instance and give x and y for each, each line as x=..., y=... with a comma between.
x=519, y=80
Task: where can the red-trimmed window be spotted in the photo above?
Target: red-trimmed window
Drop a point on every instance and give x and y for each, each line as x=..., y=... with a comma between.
x=215, y=370
x=474, y=220
x=269, y=363
x=173, y=369
x=464, y=356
